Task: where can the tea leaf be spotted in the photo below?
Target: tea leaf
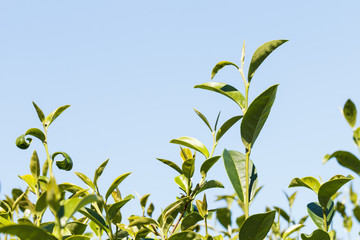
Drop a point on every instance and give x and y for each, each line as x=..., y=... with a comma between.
x=226, y=126
x=28, y=232
x=22, y=143
x=114, y=208
x=217, y=120
x=190, y=220
x=186, y=235
x=256, y=115
x=308, y=182
x=316, y=213
x=356, y=212
x=85, y=179
x=30, y=180
x=356, y=137
x=36, y=133
x=116, y=183
x=182, y=182
x=257, y=226
x=207, y=165
x=39, y=113
x=52, y=116
x=226, y=90
x=144, y=221
x=188, y=168
x=192, y=143
x=203, y=118
x=53, y=196
x=150, y=209
x=261, y=54
x=78, y=237
x=171, y=164
x=220, y=65
x=210, y=184
x=345, y=159
x=95, y=217
x=328, y=189
x=223, y=215
x=292, y=229
x=283, y=214
x=41, y=204
x=65, y=164
x=318, y=234
x=35, y=165
x=349, y=112
x=99, y=171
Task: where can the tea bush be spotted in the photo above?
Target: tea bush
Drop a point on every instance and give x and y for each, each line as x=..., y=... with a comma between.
x=82, y=213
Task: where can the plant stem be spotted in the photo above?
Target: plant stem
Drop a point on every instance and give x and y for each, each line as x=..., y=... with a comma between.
x=247, y=158
x=325, y=220
x=206, y=226
x=47, y=154
x=214, y=145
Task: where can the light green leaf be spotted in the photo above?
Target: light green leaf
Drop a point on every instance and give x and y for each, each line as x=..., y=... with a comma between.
x=190, y=220
x=318, y=234
x=116, y=183
x=226, y=90
x=39, y=112
x=65, y=164
x=345, y=159
x=144, y=221
x=30, y=180
x=114, y=208
x=86, y=180
x=27, y=232
x=99, y=171
x=78, y=237
x=35, y=165
x=186, y=235
x=207, y=164
x=356, y=137
x=308, y=182
x=261, y=54
x=316, y=213
x=328, y=189
x=210, y=184
x=192, y=143
x=182, y=182
x=171, y=164
x=257, y=226
x=226, y=126
x=292, y=229
x=36, y=133
x=220, y=65
x=256, y=115
x=349, y=112
x=52, y=116
x=203, y=118
x=235, y=168
x=188, y=168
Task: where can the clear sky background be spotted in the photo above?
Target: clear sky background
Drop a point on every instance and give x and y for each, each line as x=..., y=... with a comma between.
x=128, y=69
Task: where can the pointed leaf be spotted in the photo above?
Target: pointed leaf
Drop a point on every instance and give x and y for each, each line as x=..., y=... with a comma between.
x=203, y=118
x=99, y=171
x=223, y=215
x=207, y=164
x=345, y=159
x=39, y=112
x=171, y=164
x=188, y=168
x=216, y=122
x=85, y=179
x=143, y=200
x=261, y=54
x=283, y=214
x=356, y=137
x=65, y=164
x=292, y=229
x=257, y=226
x=144, y=221
x=256, y=115
x=30, y=180
x=186, y=235
x=328, y=189
x=95, y=217
x=35, y=165
x=235, y=167
x=349, y=112
x=114, y=208
x=318, y=234
x=226, y=126
x=226, y=90
x=316, y=213
x=192, y=143
x=308, y=182
x=41, y=204
x=27, y=232
x=220, y=65
x=190, y=220
x=210, y=184
x=52, y=116
x=116, y=183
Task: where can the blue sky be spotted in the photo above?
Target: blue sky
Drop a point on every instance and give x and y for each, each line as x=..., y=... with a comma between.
x=128, y=69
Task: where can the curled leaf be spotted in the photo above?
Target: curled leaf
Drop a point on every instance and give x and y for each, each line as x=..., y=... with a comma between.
x=23, y=143
x=65, y=164
x=220, y=65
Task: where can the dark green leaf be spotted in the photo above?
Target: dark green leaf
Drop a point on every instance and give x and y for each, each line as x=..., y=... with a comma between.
x=143, y=200
x=220, y=65
x=52, y=116
x=95, y=217
x=192, y=143
x=328, y=189
x=171, y=164
x=308, y=182
x=114, y=208
x=283, y=214
x=23, y=143
x=235, y=167
x=186, y=235
x=207, y=164
x=65, y=164
x=316, y=213
x=73, y=205
x=85, y=179
x=226, y=126
x=318, y=234
x=35, y=165
x=76, y=228
x=345, y=159
x=27, y=232
x=226, y=90
x=349, y=112
x=36, y=133
x=356, y=212
x=78, y=237
x=188, y=168
x=257, y=226
x=150, y=209
x=217, y=120
x=261, y=54
x=256, y=115
x=223, y=215
x=116, y=183
x=210, y=184
x=203, y=118
x=39, y=112
x=41, y=204
x=99, y=171
x=190, y=220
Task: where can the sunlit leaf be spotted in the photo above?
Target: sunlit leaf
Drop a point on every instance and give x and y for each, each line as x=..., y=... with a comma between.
x=203, y=118
x=85, y=179
x=192, y=143
x=210, y=184
x=52, y=116
x=114, y=208
x=345, y=159
x=261, y=54
x=207, y=165
x=144, y=221
x=116, y=183
x=220, y=65
x=329, y=188
x=292, y=229
x=226, y=126
x=182, y=182
x=23, y=143
x=39, y=112
x=95, y=217
x=308, y=182
x=316, y=213
x=188, y=168
x=186, y=235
